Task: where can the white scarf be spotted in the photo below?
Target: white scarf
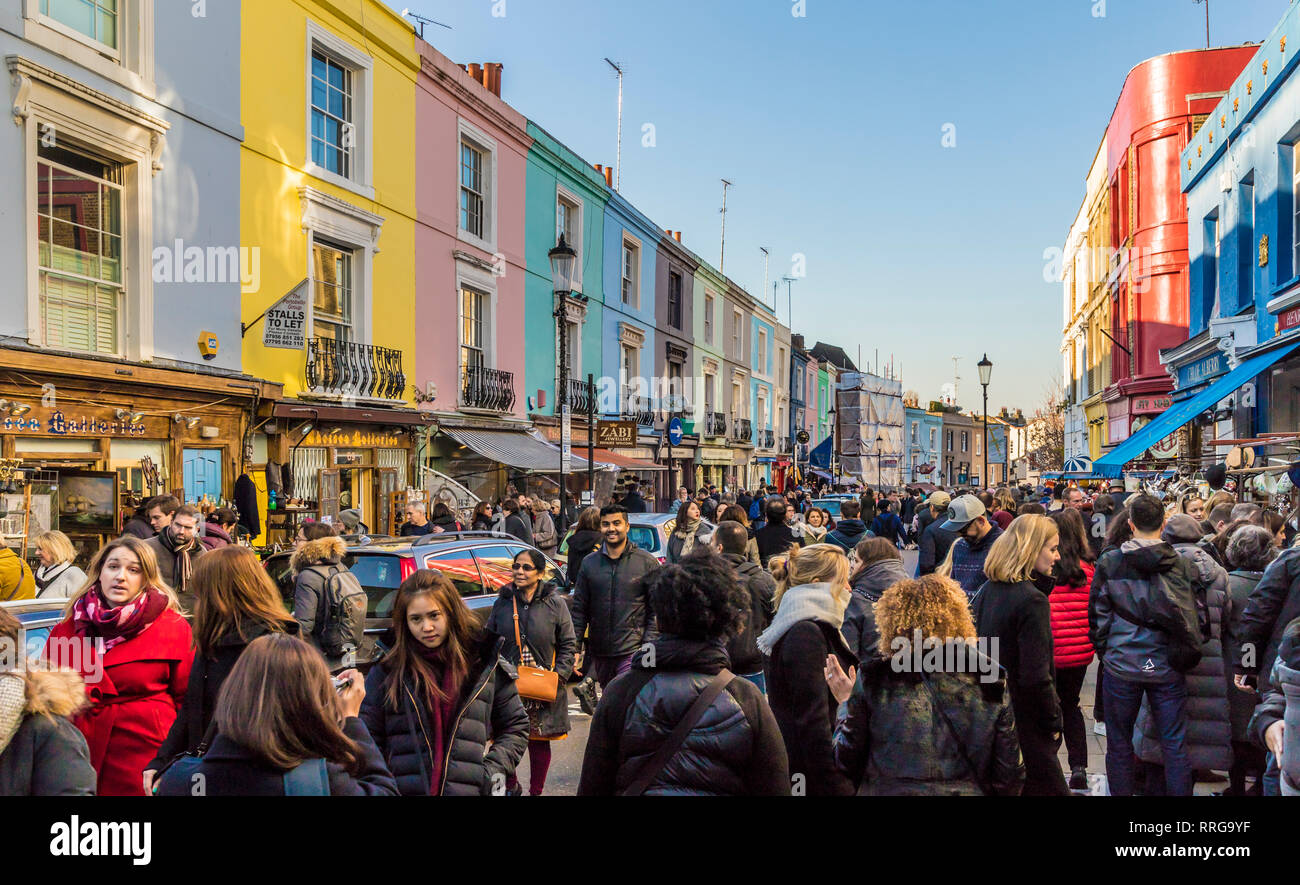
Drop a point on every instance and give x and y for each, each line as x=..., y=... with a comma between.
x=805, y=602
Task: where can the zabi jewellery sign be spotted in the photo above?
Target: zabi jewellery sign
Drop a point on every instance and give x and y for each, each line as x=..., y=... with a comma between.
x=615, y=433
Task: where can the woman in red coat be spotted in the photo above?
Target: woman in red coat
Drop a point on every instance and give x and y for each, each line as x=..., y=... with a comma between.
x=1071, y=651
x=124, y=634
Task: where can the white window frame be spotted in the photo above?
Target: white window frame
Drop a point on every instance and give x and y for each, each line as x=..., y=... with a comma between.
x=631, y=338
x=343, y=224
x=480, y=279
x=564, y=195
x=121, y=133
x=131, y=65
x=467, y=131
x=710, y=301
x=575, y=316
x=363, y=78
x=760, y=358
x=326, y=243
x=630, y=241
x=737, y=334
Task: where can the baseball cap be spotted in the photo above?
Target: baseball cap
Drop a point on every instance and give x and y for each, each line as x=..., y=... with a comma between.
x=939, y=499
x=961, y=512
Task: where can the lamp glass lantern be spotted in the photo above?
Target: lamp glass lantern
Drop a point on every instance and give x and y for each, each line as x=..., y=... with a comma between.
x=563, y=263
x=986, y=370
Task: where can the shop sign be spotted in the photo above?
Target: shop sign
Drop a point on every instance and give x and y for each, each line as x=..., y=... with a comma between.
x=1146, y=405
x=1288, y=319
x=614, y=434
x=1202, y=370
x=355, y=439
x=79, y=425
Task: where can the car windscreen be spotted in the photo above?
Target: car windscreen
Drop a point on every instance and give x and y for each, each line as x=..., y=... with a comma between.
x=644, y=536
x=380, y=575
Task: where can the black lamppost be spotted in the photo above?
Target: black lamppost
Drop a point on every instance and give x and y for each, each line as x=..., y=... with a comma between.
x=563, y=261
x=986, y=372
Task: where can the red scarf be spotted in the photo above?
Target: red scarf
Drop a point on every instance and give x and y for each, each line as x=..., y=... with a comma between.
x=442, y=714
x=93, y=616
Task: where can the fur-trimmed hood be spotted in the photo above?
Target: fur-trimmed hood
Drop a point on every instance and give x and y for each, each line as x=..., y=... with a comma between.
x=37, y=692
x=323, y=551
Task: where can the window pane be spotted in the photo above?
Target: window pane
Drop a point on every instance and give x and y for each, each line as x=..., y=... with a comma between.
x=107, y=28
x=318, y=68
x=319, y=93
x=336, y=103
x=459, y=567
x=75, y=249
x=111, y=209
x=76, y=14
x=494, y=562
x=111, y=264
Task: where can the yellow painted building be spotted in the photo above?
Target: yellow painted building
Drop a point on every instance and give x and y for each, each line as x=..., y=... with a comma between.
x=328, y=201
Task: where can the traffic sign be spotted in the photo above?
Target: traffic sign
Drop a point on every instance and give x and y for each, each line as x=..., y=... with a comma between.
x=675, y=431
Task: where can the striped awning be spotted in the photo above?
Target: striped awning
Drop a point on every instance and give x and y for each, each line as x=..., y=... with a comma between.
x=521, y=449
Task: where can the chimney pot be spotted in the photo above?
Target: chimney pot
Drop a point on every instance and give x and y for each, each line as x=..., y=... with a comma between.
x=609, y=176
x=677, y=235
x=495, y=85
x=599, y=168
x=476, y=71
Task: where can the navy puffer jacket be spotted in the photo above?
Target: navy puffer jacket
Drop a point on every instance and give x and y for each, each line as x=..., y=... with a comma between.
x=488, y=709
x=734, y=750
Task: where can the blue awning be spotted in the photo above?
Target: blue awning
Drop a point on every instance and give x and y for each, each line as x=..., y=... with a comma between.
x=1112, y=463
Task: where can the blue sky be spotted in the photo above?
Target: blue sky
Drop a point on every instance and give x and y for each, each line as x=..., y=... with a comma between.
x=831, y=125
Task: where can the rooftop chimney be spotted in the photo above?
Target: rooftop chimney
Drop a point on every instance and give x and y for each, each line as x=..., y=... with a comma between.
x=487, y=75
x=677, y=235
x=609, y=176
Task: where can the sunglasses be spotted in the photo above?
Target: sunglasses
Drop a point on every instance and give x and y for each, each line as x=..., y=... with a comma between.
x=524, y=567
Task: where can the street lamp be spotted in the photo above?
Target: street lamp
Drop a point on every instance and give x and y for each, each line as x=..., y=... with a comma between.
x=986, y=372
x=881, y=439
x=563, y=261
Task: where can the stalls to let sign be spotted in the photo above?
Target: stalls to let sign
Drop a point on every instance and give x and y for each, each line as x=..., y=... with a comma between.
x=286, y=320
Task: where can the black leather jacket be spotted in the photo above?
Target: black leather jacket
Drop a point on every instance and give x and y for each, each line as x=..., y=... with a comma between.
x=890, y=741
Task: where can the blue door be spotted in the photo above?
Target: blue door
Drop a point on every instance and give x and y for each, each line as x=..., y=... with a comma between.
x=202, y=474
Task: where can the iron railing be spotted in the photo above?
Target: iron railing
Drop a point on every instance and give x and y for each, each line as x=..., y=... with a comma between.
x=742, y=430
x=638, y=409
x=484, y=388
x=715, y=424
x=346, y=368
x=580, y=400
x=786, y=445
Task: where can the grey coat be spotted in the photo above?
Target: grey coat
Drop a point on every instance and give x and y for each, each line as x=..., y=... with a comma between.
x=47, y=755
x=859, y=626
x=545, y=537
x=1209, y=731
x=312, y=564
x=1241, y=704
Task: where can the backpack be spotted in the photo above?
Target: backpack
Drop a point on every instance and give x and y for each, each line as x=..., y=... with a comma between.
x=341, y=619
x=755, y=509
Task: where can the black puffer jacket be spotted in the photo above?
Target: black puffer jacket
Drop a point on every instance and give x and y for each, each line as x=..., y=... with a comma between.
x=488, y=709
x=890, y=741
x=1209, y=729
x=547, y=630
x=859, y=618
x=742, y=648
x=1274, y=603
x=1282, y=693
x=734, y=750
x=1241, y=704
x=581, y=543
x=610, y=599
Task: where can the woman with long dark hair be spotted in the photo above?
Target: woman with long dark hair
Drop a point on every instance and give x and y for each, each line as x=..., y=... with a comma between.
x=283, y=729
x=532, y=608
x=443, y=693
x=1071, y=650
x=586, y=538
x=736, y=513
x=237, y=602
x=139, y=669
x=481, y=520
x=688, y=532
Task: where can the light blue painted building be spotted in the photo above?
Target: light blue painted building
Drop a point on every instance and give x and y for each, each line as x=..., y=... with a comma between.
x=631, y=243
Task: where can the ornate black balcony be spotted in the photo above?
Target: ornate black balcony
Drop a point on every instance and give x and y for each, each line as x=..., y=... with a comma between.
x=766, y=439
x=715, y=424
x=349, y=369
x=742, y=431
x=638, y=409
x=787, y=445
x=484, y=388
x=579, y=397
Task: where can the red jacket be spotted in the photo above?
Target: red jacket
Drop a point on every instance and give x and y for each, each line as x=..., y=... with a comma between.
x=1070, y=645
x=133, y=702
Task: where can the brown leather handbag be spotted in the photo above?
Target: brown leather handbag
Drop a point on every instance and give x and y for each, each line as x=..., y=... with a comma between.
x=534, y=683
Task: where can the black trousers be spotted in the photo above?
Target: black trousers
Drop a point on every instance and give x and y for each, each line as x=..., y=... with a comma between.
x=1043, y=775
x=1069, y=683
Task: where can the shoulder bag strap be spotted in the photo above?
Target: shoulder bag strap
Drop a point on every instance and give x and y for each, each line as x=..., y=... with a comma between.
x=208, y=735
x=514, y=601
x=675, y=740
x=961, y=746
x=310, y=778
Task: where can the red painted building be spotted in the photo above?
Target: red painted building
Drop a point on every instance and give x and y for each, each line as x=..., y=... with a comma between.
x=1163, y=101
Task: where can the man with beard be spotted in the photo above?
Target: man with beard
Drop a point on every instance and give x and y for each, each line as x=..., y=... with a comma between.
x=967, y=517
x=177, y=548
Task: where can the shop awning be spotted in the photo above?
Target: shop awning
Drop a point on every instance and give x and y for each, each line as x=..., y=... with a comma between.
x=1112, y=463
x=523, y=450
x=624, y=462
x=822, y=473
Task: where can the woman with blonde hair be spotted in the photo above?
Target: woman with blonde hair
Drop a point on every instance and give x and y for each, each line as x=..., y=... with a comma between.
x=1013, y=608
x=237, y=603
x=941, y=732
x=123, y=632
x=57, y=578
x=812, y=592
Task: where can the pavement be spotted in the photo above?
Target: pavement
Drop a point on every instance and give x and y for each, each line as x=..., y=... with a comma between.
x=566, y=755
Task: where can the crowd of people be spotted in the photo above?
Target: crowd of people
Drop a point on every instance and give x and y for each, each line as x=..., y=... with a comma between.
x=775, y=650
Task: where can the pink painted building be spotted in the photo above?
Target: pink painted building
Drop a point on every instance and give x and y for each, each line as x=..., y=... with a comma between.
x=471, y=157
